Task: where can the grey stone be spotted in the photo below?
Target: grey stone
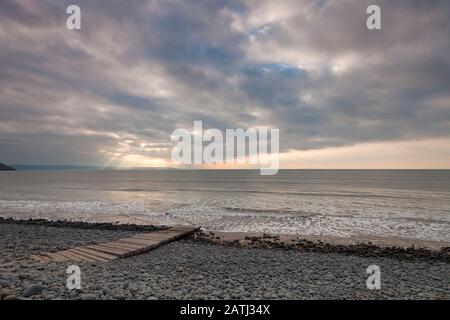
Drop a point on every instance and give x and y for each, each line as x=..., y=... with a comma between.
x=73, y=293
x=33, y=290
x=213, y=271
x=4, y=283
x=6, y=292
x=88, y=296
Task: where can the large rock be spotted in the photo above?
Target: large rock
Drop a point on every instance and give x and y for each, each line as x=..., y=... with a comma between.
x=32, y=290
x=3, y=167
x=88, y=296
x=5, y=293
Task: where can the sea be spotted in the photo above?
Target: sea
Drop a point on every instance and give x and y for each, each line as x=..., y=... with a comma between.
x=412, y=204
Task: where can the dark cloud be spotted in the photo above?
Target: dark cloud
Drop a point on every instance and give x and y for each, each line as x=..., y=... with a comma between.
x=138, y=70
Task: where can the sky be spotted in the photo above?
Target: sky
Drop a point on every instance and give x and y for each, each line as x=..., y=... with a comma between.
x=112, y=93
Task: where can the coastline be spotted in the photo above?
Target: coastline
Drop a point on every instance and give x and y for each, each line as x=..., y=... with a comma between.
x=366, y=245
x=204, y=267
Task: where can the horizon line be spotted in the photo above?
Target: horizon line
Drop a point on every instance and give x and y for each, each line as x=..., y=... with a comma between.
x=62, y=167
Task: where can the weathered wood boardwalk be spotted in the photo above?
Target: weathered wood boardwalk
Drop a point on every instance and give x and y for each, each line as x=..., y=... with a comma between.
x=122, y=248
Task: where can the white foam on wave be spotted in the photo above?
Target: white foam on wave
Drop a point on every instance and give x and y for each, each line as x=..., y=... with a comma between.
x=71, y=206
x=73, y=210
x=212, y=216
x=317, y=225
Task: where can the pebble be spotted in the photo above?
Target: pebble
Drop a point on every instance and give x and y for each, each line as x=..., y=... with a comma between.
x=73, y=293
x=189, y=269
x=5, y=293
x=88, y=296
x=33, y=290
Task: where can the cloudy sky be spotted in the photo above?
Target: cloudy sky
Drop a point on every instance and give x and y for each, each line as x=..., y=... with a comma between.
x=112, y=93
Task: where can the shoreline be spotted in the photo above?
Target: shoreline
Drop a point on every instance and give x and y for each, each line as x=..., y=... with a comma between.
x=201, y=268
x=82, y=224
x=347, y=246
x=365, y=246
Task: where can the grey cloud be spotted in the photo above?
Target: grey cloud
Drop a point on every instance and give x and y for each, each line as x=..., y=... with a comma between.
x=138, y=70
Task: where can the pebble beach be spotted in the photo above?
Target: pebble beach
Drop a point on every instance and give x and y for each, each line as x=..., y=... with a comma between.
x=197, y=268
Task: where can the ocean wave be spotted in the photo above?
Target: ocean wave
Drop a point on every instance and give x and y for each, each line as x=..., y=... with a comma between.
x=228, y=218
x=356, y=194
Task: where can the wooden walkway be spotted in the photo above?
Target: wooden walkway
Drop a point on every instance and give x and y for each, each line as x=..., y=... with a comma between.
x=122, y=248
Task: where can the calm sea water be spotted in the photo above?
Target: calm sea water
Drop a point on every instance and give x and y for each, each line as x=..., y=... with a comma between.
x=400, y=203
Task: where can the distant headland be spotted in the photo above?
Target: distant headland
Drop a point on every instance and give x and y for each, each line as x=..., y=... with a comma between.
x=3, y=167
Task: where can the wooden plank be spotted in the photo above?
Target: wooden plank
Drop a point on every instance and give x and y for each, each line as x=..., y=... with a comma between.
x=56, y=256
x=121, y=243
x=102, y=255
x=132, y=251
x=139, y=242
x=108, y=251
x=143, y=240
x=126, y=244
x=125, y=252
x=87, y=256
x=79, y=256
x=112, y=245
x=118, y=246
x=70, y=256
x=141, y=250
x=117, y=249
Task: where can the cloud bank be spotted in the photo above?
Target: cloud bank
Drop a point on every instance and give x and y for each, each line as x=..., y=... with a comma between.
x=112, y=93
